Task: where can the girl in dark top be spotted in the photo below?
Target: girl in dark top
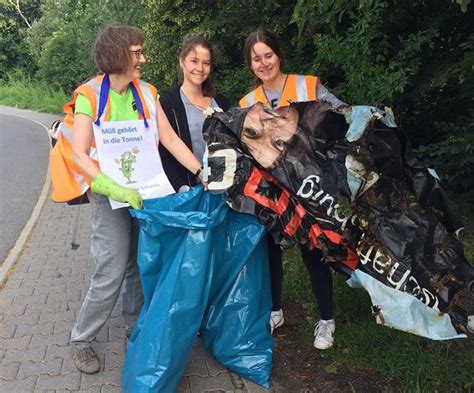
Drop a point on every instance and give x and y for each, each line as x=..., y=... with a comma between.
x=277, y=90
x=184, y=104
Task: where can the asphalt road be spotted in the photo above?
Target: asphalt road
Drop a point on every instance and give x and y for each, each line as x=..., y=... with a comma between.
x=24, y=153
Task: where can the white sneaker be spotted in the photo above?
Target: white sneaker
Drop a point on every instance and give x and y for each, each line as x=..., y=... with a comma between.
x=324, y=334
x=276, y=319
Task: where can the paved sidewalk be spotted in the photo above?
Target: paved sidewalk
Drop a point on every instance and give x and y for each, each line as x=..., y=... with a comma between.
x=39, y=304
x=38, y=307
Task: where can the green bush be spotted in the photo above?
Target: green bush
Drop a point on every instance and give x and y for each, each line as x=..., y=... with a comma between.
x=61, y=39
x=415, y=56
x=415, y=363
x=20, y=91
x=225, y=23
x=453, y=157
x=14, y=53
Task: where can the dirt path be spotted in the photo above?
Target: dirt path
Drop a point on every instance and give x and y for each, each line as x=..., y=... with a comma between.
x=298, y=367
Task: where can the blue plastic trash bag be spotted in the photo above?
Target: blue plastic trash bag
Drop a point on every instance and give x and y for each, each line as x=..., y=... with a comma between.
x=200, y=263
x=235, y=327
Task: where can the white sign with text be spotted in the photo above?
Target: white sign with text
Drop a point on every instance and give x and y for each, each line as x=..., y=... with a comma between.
x=128, y=154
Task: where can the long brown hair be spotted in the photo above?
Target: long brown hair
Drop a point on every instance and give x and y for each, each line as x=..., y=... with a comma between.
x=268, y=38
x=190, y=42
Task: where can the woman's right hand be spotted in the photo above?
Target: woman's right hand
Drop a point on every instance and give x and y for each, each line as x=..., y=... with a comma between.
x=104, y=185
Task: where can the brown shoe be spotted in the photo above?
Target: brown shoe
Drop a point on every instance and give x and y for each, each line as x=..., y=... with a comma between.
x=86, y=360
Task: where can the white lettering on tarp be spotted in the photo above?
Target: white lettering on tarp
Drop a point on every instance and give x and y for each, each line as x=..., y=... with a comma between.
x=230, y=166
x=395, y=274
x=342, y=220
x=416, y=290
x=381, y=264
x=430, y=298
x=310, y=189
x=365, y=258
x=401, y=281
x=308, y=181
x=378, y=262
x=326, y=198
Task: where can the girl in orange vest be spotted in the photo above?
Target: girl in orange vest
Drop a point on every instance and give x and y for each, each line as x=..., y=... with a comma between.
x=277, y=90
x=116, y=96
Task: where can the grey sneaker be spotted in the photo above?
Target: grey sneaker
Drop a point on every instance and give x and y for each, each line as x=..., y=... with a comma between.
x=276, y=319
x=86, y=360
x=324, y=334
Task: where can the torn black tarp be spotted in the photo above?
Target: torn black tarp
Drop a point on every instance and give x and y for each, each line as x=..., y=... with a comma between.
x=346, y=181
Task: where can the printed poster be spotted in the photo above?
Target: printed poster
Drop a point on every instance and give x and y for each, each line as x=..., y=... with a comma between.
x=128, y=154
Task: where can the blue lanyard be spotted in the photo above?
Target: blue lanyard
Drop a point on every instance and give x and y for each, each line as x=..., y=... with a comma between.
x=104, y=94
x=139, y=103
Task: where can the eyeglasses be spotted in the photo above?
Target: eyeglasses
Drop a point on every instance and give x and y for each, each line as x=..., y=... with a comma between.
x=138, y=53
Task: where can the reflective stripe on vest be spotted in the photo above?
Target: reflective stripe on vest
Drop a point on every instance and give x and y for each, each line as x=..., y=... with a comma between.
x=148, y=96
x=68, y=182
x=298, y=88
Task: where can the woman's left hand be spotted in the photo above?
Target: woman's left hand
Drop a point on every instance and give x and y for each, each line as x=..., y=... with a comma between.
x=209, y=111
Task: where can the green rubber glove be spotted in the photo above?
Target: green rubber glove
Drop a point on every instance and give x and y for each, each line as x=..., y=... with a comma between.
x=104, y=185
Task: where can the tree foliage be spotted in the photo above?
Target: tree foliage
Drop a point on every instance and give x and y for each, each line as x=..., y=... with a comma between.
x=224, y=23
x=61, y=39
x=14, y=20
x=416, y=56
x=405, y=54
x=458, y=145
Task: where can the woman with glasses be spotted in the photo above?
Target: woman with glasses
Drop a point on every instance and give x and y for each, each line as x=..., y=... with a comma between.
x=117, y=95
x=184, y=105
x=276, y=89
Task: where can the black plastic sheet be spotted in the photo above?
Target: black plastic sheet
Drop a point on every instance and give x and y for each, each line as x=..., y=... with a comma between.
x=345, y=181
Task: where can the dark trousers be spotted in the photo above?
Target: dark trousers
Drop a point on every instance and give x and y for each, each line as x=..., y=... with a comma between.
x=319, y=275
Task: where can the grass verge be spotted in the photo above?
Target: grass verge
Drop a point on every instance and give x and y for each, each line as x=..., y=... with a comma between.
x=414, y=363
x=31, y=94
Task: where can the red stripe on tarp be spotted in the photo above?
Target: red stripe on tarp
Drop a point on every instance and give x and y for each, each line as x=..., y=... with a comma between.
x=295, y=221
x=250, y=190
x=352, y=259
x=315, y=231
x=333, y=236
x=280, y=206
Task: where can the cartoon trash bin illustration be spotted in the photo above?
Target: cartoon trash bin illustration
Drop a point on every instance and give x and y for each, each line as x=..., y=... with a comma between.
x=126, y=161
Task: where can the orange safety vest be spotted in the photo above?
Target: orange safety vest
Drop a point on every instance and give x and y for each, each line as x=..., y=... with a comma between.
x=67, y=179
x=298, y=88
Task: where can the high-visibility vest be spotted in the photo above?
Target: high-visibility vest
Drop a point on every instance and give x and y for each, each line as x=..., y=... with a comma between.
x=68, y=180
x=298, y=88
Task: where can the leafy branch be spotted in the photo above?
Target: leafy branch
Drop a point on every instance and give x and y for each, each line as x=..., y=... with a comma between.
x=16, y=5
